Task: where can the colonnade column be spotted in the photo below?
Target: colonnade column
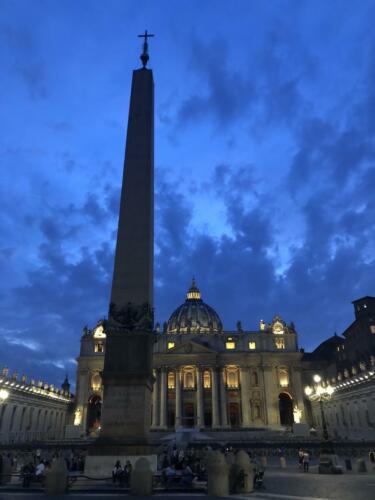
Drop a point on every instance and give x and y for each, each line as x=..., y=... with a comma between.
x=163, y=399
x=200, y=407
x=245, y=396
x=155, y=400
x=215, y=399
x=178, y=422
x=223, y=399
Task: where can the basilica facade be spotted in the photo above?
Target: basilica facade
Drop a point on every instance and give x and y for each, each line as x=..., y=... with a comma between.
x=206, y=377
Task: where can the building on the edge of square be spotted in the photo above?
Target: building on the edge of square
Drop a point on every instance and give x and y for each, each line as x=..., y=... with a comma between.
x=347, y=363
x=33, y=410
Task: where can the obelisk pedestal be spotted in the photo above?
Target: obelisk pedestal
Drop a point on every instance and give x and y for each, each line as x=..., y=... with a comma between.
x=127, y=375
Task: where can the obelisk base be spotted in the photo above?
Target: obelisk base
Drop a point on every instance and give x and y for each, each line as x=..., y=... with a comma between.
x=126, y=415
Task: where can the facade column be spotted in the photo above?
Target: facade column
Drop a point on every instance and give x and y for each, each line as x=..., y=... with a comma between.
x=215, y=399
x=163, y=398
x=223, y=399
x=178, y=420
x=155, y=400
x=298, y=391
x=200, y=404
x=270, y=396
x=245, y=397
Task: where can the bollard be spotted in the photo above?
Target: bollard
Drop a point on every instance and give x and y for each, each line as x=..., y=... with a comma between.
x=244, y=473
x=263, y=461
x=217, y=475
x=361, y=465
x=283, y=462
x=56, y=482
x=348, y=464
x=141, y=478
x=5, y=470
x=230, y=460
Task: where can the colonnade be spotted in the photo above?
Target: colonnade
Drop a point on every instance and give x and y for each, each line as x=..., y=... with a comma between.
x=21, y=423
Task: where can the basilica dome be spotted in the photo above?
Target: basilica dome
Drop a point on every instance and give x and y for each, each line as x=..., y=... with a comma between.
x=194, y=315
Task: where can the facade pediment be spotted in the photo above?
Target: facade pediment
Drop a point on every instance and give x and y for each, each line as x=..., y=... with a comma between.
x=192, y=347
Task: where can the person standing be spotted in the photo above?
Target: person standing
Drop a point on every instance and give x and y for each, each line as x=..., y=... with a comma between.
x=300, y=458
x=306, y=461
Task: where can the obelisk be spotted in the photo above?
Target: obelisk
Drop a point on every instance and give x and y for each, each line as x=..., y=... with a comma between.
x=127, y=375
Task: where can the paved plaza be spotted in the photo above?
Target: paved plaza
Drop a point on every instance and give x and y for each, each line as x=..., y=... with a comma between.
x=283, y=485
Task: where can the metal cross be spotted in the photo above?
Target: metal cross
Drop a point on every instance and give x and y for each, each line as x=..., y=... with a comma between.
x=144, y=55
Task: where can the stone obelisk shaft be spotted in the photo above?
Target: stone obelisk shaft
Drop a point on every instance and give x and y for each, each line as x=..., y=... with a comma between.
x=127, y=374
x=133, y=271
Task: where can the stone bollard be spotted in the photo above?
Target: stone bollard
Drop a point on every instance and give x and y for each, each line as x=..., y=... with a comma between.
x=217, y=475
x=283, y=462
x=5, y=470
x=56, y=482
x=361, y=465
x=263, y=461
x=141, y=478
x=244, y=473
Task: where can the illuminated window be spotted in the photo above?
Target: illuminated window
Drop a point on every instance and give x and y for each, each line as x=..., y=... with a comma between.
x=99, y=347
x=171, y=380
x=372, y=328
x=279, y=343
x=207, y=379
x=188, y=378
x=230, y=344
x=232, y=377
x=96, y=382
x=170, y=345
x=283, y=377
x=252, y=345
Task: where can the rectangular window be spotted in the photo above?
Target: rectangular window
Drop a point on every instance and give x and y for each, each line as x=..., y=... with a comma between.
x=372, y=328
x=170, y=345
x=230, y=344
x=99, y=347
x=279, y=343
x=252, y=345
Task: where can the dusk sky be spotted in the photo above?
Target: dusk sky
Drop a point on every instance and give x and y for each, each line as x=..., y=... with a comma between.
x=264, y=163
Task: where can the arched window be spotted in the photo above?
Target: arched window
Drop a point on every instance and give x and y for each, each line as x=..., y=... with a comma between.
x=206, y=379
x=283, y=377
x=232, y=377
x=96, y=382
x=171, y=380
x=188, y=378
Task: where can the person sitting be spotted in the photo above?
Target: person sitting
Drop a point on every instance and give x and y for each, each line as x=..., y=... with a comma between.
x=117, y=472
x=127, y=472
x=187, y=476
x=170, y=474
x=28, y=472
x=40, y=470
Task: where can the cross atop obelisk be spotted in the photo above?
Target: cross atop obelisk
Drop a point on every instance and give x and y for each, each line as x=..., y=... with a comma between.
x=144, y=56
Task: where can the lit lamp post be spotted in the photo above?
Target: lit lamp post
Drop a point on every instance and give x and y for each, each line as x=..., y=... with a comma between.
x=4, y=395
x=320, y=393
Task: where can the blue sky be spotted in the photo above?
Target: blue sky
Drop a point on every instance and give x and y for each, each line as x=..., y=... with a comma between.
x=264, y=158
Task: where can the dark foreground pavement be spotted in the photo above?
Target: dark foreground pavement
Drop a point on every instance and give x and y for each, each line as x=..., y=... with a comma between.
x=282, y=485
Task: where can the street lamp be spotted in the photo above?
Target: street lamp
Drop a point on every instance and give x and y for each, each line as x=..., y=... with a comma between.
x=4, y=395
x=320, y=394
